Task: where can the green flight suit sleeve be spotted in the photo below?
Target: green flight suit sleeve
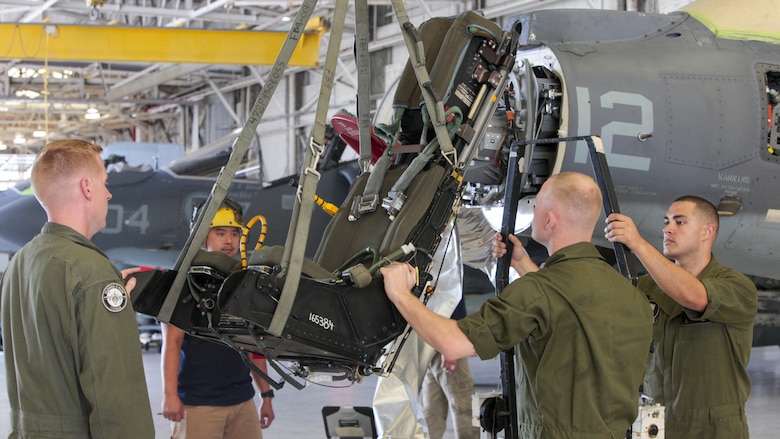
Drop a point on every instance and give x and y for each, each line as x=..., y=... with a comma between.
x=508, y=318
x=111, y=373
x=732, y=299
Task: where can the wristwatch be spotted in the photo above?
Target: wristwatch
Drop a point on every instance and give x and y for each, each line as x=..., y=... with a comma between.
x=268, y=394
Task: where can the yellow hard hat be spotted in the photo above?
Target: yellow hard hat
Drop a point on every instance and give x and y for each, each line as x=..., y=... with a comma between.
x=226, y=217
x=230, y=214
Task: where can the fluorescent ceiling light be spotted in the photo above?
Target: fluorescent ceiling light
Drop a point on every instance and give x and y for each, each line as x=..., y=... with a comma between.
x=92, y=114
x=31, y=94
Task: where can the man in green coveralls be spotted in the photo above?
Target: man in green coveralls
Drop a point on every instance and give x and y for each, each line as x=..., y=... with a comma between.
x=72, y=354
x=582, y=330
x=703, y=331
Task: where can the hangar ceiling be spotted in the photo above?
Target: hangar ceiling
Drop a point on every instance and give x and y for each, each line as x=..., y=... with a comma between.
x=43, y=98
x=52, y=96
x=45, y=95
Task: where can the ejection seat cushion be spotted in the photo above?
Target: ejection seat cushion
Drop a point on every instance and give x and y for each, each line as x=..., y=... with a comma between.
x=327, y=320
x=273, y=256
x=344, y=238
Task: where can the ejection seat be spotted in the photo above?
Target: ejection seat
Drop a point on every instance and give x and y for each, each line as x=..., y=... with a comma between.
x=341, y=317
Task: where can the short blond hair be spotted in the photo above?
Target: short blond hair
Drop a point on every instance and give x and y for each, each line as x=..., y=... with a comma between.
x=578, y=197
x=60, y=161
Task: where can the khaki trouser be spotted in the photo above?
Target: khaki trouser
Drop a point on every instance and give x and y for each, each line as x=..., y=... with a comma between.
x=444, y=392
x=239, y=421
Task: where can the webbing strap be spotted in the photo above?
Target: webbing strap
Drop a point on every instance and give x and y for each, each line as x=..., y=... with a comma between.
x=328, y=74
x=240, y=146
x=299, y=236
x=298, y=233
x=363, y=82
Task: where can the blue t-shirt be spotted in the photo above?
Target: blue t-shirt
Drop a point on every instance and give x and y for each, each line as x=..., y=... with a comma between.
x=212, y=374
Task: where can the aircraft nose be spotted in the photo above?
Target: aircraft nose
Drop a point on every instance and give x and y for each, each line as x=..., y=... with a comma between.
x=22, y=218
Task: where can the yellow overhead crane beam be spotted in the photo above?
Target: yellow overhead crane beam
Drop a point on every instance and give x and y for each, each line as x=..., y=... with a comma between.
x=151, y=45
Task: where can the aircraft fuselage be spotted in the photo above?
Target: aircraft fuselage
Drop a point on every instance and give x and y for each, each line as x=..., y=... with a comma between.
x=679, y=111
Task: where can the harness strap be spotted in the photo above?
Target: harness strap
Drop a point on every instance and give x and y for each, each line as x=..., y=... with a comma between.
x=295, y=246
x=363, y=83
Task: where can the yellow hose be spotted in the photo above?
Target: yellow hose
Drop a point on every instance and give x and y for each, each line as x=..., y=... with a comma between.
x=245, y=232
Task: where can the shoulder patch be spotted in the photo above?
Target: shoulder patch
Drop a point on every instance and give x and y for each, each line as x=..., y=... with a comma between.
x=114, y=297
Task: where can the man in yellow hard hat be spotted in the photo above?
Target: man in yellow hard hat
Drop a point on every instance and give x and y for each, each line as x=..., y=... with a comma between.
x=207, y=388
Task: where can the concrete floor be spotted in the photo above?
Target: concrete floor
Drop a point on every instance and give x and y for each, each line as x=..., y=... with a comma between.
x=298, y=412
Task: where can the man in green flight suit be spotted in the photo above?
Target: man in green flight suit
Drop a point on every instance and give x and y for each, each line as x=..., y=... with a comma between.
x=583, y=330
x=72, y=354
x=703, y=330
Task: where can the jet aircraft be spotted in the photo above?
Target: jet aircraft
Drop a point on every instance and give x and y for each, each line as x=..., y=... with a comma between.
x=150, y=210
x=685, y=103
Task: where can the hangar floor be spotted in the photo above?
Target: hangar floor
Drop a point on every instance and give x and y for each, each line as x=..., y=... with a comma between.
x=298, y=413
